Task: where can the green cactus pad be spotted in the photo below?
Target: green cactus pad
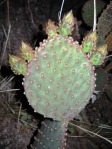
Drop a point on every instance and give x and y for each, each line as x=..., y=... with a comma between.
x=50, y=136
x=88, y=11
x=101, y=79
x=60, y=80
x=104, y=25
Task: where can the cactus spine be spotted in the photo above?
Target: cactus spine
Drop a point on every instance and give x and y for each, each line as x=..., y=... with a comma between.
x=60, y=80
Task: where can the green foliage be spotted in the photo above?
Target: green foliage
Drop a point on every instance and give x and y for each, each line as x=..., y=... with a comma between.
x=57, y=79
x=105, y=21
x=71, y=128
x=67, y=24
x=88, y=11
x=89, y=42
x=26, y=117
x=18, y=65
x=101, y=79
x=27, y=52
x=96, y=58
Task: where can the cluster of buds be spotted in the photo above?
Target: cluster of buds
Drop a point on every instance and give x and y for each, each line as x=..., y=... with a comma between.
x=19, y=63
x=97, y=54
x=65, y=26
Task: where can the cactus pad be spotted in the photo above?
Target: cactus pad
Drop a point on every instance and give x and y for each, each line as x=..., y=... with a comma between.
x=108, y=41
x=88, y=11
x=101, y=79
x=105, y=21
x=60, y=80
x=51, y=135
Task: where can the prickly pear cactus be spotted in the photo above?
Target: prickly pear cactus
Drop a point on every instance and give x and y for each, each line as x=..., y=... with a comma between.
x=105, y=21
x=88, y=11
x=59, y=79
x=53, y=132
x=60, y=84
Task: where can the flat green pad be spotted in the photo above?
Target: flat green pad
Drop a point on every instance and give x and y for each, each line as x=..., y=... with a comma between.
x=60, y=80
x=88, y=11
x=50, y=136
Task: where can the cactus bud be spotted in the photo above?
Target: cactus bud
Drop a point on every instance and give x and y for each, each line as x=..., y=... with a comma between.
x=89, y=42
x=18, y=65
x=51, y=29
x=66, y=25
x=103, y=49
x=96, y=58
x=27, y=52
x=68, y=18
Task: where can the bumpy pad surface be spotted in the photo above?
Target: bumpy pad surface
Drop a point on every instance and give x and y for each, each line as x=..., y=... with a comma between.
x=50, y=136
x=60, y=80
